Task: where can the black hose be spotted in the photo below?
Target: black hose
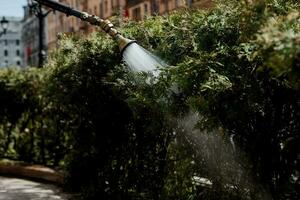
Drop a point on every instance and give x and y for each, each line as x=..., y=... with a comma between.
x=61, y=7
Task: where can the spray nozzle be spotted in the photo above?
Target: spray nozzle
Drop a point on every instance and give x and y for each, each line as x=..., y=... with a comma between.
x=109, y=28
x=123, y=42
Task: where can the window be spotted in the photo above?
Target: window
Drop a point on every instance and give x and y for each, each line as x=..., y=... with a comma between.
x=95, y=10
x=136, y=13
x=166, y=5
x=17, y=42
x=5, y=53
x=5, y=42
x=101, y=10
x=154, y=7
x=18, y=52
x=146, y=8
x=105, y=6
x=18, y=63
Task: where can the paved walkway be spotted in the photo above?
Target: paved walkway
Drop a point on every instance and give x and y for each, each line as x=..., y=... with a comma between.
x=19, y=189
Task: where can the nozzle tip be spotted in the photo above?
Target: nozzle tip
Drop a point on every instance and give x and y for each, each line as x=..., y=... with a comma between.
x=123, y=42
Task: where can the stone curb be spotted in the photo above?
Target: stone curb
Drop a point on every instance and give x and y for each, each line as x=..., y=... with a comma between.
x=36, y=172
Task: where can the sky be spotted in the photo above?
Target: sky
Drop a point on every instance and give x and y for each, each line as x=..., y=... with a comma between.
x=12, y=7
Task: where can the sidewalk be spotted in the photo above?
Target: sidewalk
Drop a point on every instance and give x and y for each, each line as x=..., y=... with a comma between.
x=18, y=189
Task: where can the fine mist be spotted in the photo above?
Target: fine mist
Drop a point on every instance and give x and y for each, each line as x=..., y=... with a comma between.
x=224, y=166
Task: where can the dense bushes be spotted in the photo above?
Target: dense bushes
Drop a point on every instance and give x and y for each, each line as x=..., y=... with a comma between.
x=222, y=122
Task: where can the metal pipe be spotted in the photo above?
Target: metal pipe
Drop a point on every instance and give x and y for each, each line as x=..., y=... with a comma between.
x=105, y=25
x=41, y=36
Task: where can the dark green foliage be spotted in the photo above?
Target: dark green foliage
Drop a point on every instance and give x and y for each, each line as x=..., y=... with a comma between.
x=222, y=122
x=110, y=136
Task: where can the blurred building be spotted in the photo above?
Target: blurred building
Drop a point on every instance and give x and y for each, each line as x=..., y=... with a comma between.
x=54, y=27
x=201, y=3
x=59, y=23
x=70, y=24
x=138, y=9
x=130, y=9
x=11, y=45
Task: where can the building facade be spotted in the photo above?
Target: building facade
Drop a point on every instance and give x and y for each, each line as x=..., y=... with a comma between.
x=59, y=23
x=121, y=9
x=11, y=49
x=138, y=9
x=70, y=24
x=54, y=27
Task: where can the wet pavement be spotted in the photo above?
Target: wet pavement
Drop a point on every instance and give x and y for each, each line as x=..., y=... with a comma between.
x=20, y=189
